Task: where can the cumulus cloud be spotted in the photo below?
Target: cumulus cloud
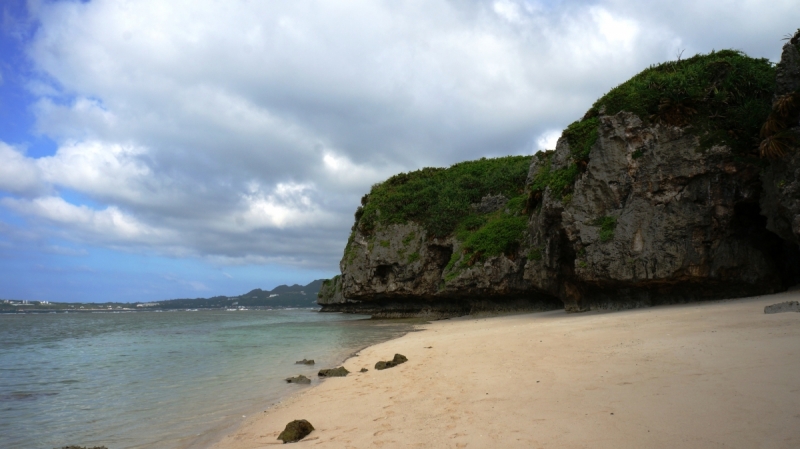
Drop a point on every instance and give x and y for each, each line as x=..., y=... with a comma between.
x=246, y=132
x=109, y=224
x=18, y=173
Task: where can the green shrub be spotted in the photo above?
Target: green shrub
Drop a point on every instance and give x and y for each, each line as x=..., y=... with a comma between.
x=384, y=243
x=560, y=181
x=500, y=235
x=349, y=249
x=452, y=264
x=724, y=96
x=439, y=199
x=413, y=257
x=581, y=135
x=607, y=227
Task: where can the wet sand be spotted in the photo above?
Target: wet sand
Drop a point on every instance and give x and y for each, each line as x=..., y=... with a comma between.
x=717, y=374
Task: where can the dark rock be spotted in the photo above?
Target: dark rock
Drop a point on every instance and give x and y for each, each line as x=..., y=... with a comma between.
x=654, y=219
x=364, y=370
x=304, y=362
x=397, y=360
x=301, y=379
x=333, y=372
x=295, y=431
x=490, y=203
x=383, y=365
x=788, y=306
x=780, y=200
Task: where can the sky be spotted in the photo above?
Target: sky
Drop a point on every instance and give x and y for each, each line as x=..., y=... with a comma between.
x=157, y=149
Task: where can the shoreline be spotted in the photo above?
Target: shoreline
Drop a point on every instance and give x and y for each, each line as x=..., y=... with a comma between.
x=212, y=437
x=708, y=374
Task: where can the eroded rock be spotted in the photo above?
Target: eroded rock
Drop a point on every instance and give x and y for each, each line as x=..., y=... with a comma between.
x=397, y=360
x=301, y=379
x=788, y=306
x=780, y=200
x=333, y=372
x=304, y=362
x=296, y=431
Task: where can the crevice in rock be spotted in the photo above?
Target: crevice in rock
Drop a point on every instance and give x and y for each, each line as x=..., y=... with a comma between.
x=440, y=255
x=785, y=255
x=382, y=273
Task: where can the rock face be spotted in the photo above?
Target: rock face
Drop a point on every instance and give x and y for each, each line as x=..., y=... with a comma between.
x=653, y=219
x=781, y=178
x=629, y=210
x=381, y=281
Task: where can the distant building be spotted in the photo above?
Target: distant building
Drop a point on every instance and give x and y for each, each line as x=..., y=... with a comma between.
x=147, y=304
x=273, y=295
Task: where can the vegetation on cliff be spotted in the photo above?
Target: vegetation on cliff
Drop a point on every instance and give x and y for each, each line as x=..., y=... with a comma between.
x=725, y=97
x=441, y=201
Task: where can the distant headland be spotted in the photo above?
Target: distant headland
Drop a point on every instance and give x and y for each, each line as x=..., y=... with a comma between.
x=282, y=296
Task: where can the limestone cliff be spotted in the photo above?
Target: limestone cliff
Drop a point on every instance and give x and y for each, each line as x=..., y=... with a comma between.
x=655, y=218
x=653, y=197
x=781, y=197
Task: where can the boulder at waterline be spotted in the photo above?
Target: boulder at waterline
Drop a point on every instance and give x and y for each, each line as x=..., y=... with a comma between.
x=295, y=431
x=333, y=372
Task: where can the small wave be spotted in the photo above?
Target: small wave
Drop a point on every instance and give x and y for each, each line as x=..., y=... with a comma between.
x=25, y=396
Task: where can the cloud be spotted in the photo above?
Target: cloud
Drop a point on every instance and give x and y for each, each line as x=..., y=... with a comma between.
x=110, y=224
x=194, y=285
x=548, y=139
x=246, y=132
x=18, y=173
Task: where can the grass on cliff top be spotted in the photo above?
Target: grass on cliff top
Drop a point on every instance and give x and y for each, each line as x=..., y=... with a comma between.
x=439, y=199
x=725, y=96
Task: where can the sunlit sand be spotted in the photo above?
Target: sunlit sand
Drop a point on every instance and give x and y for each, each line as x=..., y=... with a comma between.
x=717, y=374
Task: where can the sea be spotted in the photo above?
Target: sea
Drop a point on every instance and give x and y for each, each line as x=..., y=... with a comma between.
x=165, y=380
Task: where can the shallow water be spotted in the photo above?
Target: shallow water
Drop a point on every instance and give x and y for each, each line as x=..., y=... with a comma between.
x=159, y=380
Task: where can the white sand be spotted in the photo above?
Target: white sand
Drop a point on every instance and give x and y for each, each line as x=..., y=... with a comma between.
x=706, y=375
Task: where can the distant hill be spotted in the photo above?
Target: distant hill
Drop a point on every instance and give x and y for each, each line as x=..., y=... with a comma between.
x=281, y=296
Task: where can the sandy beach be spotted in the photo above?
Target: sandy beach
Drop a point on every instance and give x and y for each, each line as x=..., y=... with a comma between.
x=716, y=374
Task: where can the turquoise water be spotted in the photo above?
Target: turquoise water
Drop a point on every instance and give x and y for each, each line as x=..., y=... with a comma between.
x=159, y=380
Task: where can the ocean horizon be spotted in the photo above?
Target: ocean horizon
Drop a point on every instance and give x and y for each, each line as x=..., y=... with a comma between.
x=170, y=380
